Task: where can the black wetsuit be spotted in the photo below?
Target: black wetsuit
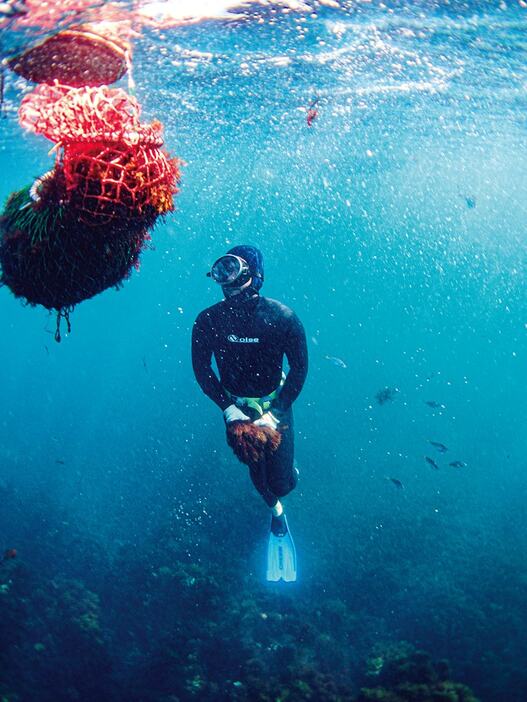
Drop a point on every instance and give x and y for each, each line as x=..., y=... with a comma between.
x=248, y=337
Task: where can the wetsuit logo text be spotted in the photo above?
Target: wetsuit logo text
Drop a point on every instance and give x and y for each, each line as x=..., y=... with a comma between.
x=243, y=339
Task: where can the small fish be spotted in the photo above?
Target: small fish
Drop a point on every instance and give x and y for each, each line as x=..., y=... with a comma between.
x=396, y=482
x=311, y=117
x=60, y=462
x=314, y=340
x=470, y=202
x=433, y=403
x=145, y=365
x=312, y=112
x=386, y=395
x=439, y=446
x=457, y=464
x=336, y=361
x=9, y=554
x=47, y=350
x=431, y=462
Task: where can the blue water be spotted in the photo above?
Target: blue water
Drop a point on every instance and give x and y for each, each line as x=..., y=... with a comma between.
x=395, y=227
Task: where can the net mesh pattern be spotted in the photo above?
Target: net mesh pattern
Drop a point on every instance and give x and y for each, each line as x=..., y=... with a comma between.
x=113, y=164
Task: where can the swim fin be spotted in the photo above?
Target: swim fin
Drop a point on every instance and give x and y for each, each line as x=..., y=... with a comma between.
x=281, y=553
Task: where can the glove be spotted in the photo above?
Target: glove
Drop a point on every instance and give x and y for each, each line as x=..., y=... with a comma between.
x=234, y=414
x=268, y=420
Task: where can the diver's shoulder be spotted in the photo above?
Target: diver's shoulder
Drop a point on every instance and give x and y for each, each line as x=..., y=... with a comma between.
x=277, y=307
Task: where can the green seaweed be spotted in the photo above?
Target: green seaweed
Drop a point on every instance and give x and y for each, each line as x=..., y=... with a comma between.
x=36, y=219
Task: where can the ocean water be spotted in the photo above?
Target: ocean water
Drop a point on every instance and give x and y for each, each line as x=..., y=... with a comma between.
x=394, y=226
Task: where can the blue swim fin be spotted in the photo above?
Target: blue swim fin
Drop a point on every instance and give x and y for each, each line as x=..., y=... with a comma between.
x=281, y=553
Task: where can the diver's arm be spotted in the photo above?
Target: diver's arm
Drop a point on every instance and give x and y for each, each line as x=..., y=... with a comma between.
x=296, y=353
x=201, y=363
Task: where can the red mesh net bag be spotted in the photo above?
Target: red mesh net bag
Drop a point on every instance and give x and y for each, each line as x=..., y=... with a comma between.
x=114, y=167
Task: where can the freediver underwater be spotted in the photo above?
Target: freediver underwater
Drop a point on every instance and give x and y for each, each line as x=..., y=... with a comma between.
x=248, y=336
x=390, y=216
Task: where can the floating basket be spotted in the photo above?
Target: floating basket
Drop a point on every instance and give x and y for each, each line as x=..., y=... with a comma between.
x=79, y=56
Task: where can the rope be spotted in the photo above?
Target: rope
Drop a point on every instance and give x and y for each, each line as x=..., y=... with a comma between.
x=63, y=314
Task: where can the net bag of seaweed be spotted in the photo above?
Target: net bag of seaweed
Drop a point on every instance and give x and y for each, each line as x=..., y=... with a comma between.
x=81, y=227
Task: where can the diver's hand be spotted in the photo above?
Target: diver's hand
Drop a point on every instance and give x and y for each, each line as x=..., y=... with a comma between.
x=234, y=414
x=268, y=419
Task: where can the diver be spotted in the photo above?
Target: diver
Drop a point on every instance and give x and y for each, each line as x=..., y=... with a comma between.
x=248, y=336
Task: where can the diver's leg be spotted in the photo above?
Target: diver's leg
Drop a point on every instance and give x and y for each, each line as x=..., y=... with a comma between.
x=258, y=473
x=276, y=475
x=282, y=475
x=281, y=479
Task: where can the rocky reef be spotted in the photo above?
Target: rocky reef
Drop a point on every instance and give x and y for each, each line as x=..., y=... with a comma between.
x=182, y=616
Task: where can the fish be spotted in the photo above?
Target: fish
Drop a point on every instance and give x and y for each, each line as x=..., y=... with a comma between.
x=433, y=403
x=386, y=395
x=145, y=365
x=60, y=462
x=457, y=464
x=470, y=202
x=336, y=361
x=396, y=482
x=9, y=554
x=312, y=112
x=439, y=446
x=431, y=462
x=311, y=117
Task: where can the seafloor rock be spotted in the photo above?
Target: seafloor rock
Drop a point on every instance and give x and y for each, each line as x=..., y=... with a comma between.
x=401, y=673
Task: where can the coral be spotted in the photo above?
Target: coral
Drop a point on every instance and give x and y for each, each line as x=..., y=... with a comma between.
x=403, y=674
x=179, y=614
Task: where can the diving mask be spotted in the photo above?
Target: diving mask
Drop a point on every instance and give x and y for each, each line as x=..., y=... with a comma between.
x=229, y=269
